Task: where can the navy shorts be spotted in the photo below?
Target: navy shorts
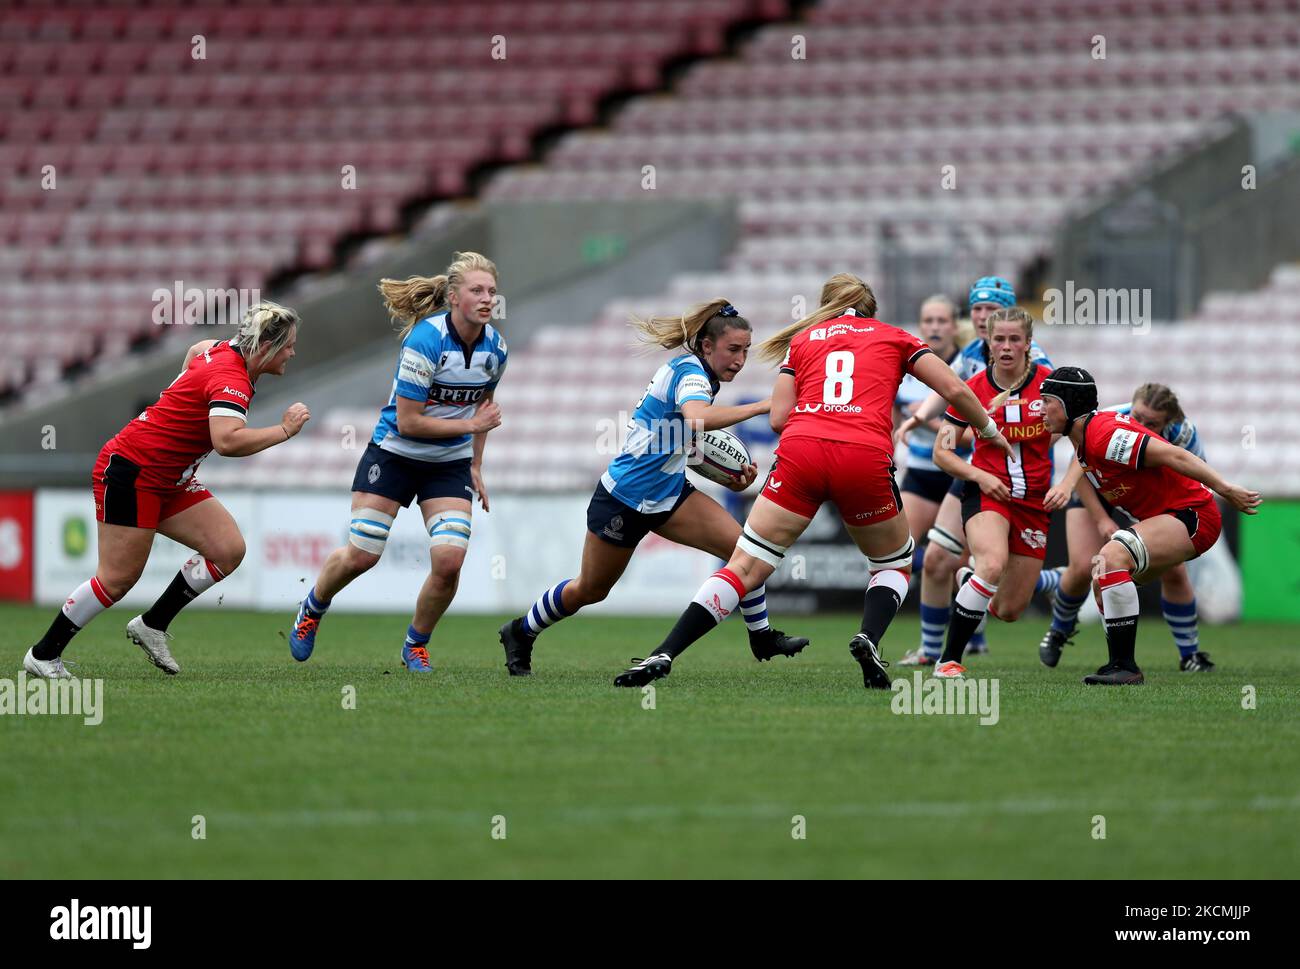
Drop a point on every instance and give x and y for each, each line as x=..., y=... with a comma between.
x=958, y=487
x=618, y=524
x=1118, y=517
x=400, y=479
x=930, y=485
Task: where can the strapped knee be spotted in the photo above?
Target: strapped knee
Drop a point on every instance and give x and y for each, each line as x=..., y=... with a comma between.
x=369, y=530
x=761, y=548
x=900, y=558
x=1135, y=547
x=448, y=528
x=946, y=540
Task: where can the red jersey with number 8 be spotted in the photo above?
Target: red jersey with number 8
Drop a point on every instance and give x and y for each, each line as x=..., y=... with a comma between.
x=171, y=437
x=846, y=375
x=1020, y=419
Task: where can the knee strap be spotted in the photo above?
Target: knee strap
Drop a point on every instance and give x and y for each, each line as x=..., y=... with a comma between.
x=946, y=540
x=1135, y=547
x=761, y=548
x=369, y=530
x=898, y=559
x=448, y=528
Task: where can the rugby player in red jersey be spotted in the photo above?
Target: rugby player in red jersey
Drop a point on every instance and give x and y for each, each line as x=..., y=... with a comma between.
x=1165, y=488
x=832, y=405
x=1007, y=498
x=144, y=483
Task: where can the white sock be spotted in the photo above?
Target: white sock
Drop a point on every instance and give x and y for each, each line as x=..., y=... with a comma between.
x=720, y=594
x=87, y=602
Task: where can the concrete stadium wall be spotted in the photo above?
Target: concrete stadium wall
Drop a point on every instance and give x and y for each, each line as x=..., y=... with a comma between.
x=1189, y=227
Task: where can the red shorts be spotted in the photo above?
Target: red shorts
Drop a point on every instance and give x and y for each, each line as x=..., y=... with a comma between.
x=121, y=500
x=859, y=479
x=1028, y=518
x=1204, y=523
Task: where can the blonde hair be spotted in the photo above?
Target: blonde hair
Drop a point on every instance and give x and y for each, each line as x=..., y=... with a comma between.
x=265, y=328
x=1013, y=314
x=965, y=332
x=415, y=298
x=707, y=321
x=1161, y=398
x=841, y=293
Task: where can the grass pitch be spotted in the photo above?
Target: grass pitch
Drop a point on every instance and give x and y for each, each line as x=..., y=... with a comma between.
x=583, y=781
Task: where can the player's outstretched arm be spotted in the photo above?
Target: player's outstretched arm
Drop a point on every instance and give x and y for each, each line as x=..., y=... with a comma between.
x=232, y=438
x=708, y=417
x=933, y=406
x=1160, y=453
x=938, y=376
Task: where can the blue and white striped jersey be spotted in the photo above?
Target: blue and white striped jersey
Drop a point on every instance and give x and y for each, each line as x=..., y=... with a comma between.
x=971, y=359
x=449, y=378
x=1179, y=433
x=649, y=471
x=920, y=442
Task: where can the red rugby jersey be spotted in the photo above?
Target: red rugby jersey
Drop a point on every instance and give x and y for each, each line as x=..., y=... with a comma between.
x=1114, y=446
x=1020, y=419
x=172, y=436
x=846, y=375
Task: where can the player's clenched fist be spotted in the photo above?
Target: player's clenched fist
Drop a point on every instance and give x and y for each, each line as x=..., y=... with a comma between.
x=485, y=418
x=294, y=418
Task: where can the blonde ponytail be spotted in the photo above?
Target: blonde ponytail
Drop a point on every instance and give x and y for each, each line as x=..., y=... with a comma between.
x=841, y=293
x=265, y=329
x=707, y=321
x=415, y=298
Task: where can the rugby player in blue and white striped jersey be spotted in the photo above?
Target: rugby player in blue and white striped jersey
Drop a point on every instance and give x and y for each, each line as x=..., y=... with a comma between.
x=427, y=445
x=645, y=488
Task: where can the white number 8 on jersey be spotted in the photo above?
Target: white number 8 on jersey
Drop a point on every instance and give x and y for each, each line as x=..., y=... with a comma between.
x=838, y=387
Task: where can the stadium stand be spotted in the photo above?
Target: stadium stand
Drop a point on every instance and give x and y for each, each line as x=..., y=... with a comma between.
x=550, y=441
x=227, y=170
x=823, y=154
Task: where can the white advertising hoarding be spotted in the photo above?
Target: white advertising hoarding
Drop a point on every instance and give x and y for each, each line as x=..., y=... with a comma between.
x=66, y=552
x=518, y=550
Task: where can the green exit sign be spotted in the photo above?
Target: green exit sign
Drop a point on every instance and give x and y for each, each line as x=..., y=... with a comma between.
x=603, y=247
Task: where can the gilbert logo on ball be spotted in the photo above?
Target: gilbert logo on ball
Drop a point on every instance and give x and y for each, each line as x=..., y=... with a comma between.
x=719, y=456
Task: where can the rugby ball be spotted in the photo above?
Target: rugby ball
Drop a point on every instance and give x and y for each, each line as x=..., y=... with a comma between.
x=718, y=456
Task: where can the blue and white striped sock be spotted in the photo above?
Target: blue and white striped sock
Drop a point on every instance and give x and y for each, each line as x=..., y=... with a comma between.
x=1065, y=610
x=416, y=638
x=1181, y=617
x=315, y=607
x=754, y=608
x=934, y=621
x=547, y=610
x=1049, y=580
